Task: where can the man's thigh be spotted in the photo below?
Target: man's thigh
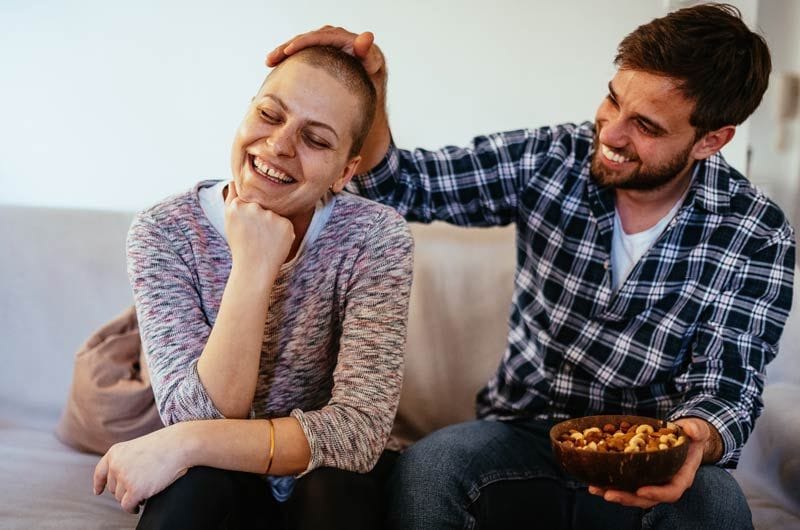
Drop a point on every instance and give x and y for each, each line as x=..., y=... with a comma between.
x=490, y=474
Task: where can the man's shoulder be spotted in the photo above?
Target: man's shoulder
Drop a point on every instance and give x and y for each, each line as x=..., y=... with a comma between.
x=749, y=205
x=566, y=141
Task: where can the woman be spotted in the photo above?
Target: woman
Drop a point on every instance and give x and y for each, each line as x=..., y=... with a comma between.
x=273, y=312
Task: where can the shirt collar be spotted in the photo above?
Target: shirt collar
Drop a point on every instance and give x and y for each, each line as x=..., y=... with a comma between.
x=711, y=184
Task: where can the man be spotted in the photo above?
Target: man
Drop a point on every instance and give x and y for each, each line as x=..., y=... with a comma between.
x=652, y=278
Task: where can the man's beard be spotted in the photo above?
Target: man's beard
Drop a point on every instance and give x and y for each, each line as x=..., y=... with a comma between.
x=647, y=180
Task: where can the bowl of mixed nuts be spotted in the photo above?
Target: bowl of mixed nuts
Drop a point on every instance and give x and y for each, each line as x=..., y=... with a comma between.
x=618, y=451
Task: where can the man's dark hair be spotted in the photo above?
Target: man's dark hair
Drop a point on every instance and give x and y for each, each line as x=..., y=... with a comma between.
x=351, y=74
x=719, y=63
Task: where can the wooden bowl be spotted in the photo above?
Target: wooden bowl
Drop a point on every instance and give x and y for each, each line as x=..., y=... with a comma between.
x=621, y=471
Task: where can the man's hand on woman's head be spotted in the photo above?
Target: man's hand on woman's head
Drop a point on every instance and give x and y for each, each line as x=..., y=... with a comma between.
x=360, y=45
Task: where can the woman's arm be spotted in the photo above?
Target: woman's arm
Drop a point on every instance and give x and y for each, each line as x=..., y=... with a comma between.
x=351, y=430
x=138, y=469
x=260, y=241
x=200, y=372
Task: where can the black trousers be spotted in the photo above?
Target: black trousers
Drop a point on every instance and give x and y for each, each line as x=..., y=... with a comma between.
x=215, y=499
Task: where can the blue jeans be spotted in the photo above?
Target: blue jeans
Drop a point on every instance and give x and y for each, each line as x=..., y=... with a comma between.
x=491, y=474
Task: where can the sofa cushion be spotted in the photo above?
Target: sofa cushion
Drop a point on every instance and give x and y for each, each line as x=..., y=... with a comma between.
x=110, y=399
x=47, y=485
x=458, y=314
x=63, y=275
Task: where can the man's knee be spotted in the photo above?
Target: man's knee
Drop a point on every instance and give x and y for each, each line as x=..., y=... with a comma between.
x=715, y=500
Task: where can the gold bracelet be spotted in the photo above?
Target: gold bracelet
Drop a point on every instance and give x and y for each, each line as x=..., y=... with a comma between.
x=271, y=445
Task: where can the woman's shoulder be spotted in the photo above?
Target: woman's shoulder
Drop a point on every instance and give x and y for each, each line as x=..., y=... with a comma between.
x=175, y=211
x=353, y=209
x=177, y=219
x=361, y=221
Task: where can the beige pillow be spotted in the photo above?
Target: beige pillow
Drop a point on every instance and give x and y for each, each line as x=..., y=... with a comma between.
x=110, y=399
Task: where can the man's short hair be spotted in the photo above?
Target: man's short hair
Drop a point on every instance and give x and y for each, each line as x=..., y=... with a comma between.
x=720, y=64
x=351, y=74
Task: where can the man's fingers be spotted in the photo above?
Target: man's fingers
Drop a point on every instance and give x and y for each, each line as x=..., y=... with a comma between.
x=682, y=480
x=628, y=499
x=362, y=44
x=100, y=475
x=338, y=38
x=276, y=56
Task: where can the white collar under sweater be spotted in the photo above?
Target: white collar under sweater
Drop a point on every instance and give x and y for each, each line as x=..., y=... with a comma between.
x=213, y=204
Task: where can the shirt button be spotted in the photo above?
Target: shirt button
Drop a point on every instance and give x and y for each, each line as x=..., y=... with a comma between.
x=606, y=264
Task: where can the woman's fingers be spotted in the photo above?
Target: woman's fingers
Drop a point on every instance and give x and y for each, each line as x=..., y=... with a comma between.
x=99, y=478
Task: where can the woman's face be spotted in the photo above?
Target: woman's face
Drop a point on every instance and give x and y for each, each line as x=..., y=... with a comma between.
x=294, y=141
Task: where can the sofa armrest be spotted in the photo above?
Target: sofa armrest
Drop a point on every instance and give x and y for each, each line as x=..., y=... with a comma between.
x=772, y=454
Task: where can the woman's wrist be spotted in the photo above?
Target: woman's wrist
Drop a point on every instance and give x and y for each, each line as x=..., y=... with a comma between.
x=185, y=442
x=258, y=274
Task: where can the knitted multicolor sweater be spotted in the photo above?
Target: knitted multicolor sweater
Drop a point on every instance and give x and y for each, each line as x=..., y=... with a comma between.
x=334, y=335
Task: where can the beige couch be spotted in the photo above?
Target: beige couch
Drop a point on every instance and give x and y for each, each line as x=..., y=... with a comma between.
x=63, y=275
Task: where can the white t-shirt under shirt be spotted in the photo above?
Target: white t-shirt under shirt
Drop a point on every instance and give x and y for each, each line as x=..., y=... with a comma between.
x=627, y=249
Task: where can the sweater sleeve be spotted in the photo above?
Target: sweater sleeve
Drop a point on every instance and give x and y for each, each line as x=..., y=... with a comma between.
x=172, y=324
x=351, y=431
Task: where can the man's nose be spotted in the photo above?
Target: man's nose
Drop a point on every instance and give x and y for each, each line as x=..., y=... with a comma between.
x=614, y=133
x=280, y=142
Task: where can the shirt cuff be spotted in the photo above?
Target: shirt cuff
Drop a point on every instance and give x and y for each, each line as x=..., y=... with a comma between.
x=371, y=183
x=718, y=413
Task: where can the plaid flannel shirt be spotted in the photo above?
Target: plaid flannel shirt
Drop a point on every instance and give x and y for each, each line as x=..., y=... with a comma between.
x=690, y=331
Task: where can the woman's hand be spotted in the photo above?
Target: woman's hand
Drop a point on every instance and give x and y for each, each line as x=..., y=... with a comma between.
x=138, y=469
x=257, y=237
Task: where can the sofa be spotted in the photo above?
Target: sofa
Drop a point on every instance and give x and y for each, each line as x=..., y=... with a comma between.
x=63, y=276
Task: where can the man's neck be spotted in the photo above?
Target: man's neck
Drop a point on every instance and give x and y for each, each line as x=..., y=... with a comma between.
x=639, y=210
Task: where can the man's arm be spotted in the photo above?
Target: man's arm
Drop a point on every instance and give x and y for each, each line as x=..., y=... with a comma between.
x=737, y=338
x=363, y=47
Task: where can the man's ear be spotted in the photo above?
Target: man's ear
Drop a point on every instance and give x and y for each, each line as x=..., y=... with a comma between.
x=712, y=142
x=347, y=174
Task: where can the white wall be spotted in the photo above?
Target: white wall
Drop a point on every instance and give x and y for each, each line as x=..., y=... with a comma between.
x=776, y=167
x=115, y=105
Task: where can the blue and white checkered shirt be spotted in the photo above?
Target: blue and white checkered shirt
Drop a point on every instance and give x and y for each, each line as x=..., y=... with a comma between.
x=690, y=331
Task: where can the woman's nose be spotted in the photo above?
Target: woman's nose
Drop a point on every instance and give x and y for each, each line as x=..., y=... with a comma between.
x=280, y=143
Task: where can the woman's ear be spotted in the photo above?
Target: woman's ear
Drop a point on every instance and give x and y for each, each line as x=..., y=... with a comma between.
x=712, y=142
x=347, y=174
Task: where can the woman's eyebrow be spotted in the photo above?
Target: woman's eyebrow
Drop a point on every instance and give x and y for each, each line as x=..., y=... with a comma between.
x=314, y=123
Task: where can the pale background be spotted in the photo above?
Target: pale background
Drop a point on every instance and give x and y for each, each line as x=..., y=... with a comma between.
x=111, y=105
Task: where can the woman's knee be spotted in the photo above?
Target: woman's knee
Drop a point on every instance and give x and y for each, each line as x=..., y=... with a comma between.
x=202, y=498
x=333, y=498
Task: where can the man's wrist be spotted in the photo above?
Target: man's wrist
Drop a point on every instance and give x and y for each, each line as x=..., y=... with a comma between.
x=712, y=453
